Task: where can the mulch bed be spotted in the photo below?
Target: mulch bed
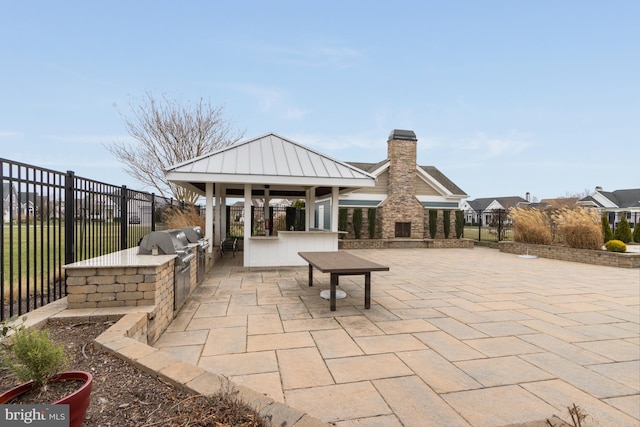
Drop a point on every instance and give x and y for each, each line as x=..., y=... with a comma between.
x=122, y=395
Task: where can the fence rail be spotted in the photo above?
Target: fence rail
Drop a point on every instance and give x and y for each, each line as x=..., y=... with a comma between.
x=52, y=218
x=490, y=225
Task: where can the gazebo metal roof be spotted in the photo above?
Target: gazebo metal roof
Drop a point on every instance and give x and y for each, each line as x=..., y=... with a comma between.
x=288, y=168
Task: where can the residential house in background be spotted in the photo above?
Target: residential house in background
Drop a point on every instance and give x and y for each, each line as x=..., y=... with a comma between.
x=489, y=209
x=561, y=202
x=403, y=194
x=616, y=203
x=9, y=201
x=27, y=203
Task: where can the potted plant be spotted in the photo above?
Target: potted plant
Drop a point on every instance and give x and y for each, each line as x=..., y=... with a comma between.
x=40, y=364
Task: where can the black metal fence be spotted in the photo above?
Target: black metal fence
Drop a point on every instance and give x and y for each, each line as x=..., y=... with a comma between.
x=489, y=225
x=52, y=218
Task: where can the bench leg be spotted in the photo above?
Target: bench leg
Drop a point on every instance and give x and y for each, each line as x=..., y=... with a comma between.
x=334, y=284
x=310, y=275
x=367, y=290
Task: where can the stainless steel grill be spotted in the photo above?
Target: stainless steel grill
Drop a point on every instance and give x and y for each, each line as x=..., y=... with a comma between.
x=195, y=236
x=168, y=243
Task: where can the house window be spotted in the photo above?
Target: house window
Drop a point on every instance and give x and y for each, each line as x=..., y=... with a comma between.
x=403, y=229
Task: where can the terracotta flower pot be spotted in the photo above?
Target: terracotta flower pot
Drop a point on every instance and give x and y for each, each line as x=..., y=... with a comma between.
x=78, y=401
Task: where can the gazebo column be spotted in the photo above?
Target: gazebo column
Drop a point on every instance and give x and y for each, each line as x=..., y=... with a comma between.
x=267, y=232
x=310, y=208
x=335, y=207
x=208, y=213
x=223, y=212
x=247, y=224
x=218, y=223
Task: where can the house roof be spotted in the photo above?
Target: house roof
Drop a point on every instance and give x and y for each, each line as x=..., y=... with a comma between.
x=506, y=202
x=430, y=170
x=269, y=160
x=561, y=202
x=629, y=198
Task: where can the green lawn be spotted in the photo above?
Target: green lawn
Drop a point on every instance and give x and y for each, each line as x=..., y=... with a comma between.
x=34, y=253
x=488, y=234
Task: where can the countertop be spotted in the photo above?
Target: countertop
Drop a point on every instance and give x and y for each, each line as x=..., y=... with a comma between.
x=126, y=258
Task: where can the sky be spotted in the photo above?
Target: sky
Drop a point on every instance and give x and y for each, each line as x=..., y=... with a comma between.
x=505, y=97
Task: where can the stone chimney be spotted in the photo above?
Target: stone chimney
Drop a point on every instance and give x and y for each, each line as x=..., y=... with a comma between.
x=401, y=214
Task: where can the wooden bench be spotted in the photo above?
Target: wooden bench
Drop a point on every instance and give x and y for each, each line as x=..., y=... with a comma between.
x=340, y=263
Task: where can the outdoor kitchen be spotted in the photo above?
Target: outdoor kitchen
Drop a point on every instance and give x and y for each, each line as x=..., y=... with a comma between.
x=159, y=274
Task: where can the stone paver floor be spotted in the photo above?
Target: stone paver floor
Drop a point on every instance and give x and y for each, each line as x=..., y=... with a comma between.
x=454, y=337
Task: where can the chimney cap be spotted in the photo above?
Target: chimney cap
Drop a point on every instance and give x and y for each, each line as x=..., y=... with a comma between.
x=402, y=135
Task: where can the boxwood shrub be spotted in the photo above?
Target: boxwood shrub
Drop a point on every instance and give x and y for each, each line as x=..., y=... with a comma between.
x=616, y=246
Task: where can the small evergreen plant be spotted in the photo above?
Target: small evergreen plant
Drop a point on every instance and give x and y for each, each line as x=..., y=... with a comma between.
x=342, y=220
x=606, y=228
x=636, y=233
x=433, y=223
x=34, y=356
x=616, y=246
x=446, y=223
x=623, y=230
x=459, y=224
x=357, y=222
x=371, y=217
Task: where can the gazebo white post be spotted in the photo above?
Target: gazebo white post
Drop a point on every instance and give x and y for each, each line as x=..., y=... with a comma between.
x=208, y=212
x=247, y=224
x=223, y=212
x=310, y=211
x=266, y=211
x=217, y=233
x=335, y=202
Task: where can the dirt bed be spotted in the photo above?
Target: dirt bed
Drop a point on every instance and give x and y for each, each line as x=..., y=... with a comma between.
x=125, y=396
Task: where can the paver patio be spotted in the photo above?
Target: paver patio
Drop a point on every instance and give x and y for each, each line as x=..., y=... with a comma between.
x=454, y=337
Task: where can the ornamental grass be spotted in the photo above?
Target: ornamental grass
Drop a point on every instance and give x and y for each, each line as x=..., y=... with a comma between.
x=531, y=226
x=579, y=228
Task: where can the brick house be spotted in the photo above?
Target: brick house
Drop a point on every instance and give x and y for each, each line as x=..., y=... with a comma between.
x=403, y=195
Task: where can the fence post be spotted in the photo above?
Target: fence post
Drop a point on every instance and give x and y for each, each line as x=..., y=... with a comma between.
x=480, y=225
x=69, y=217
x=499, y=224
x=124, y=218
x=153, y=211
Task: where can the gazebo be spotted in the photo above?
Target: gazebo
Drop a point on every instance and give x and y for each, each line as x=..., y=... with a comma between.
x=266, y=167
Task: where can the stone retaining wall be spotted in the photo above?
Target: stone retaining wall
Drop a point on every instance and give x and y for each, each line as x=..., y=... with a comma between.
x=404, y=243
x=125, y=287
x=587, y=256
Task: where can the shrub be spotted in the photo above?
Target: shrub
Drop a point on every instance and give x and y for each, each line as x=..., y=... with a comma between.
x=615, y=246
x=33, y=356
x=342, y=220
x=446, y=223
x=357, y=222
x=459, y=224
x=580, y=228
x=530, y=226
x=623, y=230
x=176, y=217
x=636, y=233
x=606, y=228
x=371, y=216
x=433, y=223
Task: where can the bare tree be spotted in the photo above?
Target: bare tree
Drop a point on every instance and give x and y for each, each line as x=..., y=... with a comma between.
x=168, y=133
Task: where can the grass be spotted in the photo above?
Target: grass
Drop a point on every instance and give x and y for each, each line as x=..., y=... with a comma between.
x=486, y=233
x=33, y=254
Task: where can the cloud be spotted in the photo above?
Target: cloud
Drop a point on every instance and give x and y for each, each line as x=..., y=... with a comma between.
x=11, y=135
x=487, y=147
x=313, y=54
x=273, y=101
x=361, y=147
x=89, y=139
